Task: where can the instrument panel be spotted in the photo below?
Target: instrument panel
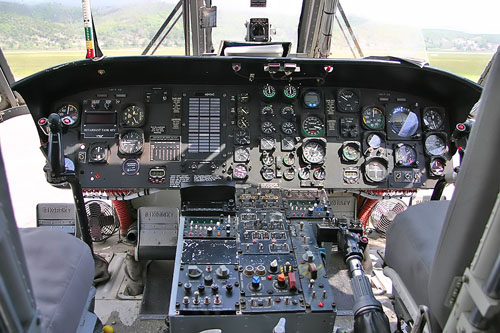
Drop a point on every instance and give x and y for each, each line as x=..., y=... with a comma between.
x=273, y=134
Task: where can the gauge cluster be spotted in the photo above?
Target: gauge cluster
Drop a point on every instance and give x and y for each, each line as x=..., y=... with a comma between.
x=273, y=134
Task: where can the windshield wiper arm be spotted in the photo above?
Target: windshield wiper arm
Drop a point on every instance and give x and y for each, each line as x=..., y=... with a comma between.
x=415, y=62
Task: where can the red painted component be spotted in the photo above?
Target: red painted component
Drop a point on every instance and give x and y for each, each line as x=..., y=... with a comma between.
x=123, y=215
x=366, y=211
x=313, y=270
x=292, y=281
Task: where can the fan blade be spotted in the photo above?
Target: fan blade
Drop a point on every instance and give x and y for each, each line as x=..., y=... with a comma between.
x=106, y=220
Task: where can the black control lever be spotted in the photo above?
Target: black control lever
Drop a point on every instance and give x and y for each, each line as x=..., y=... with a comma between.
x=369, y=315
x=55, y=154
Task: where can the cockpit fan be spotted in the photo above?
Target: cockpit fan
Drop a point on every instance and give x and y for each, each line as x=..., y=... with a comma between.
x=102, y=222
x=384, y=213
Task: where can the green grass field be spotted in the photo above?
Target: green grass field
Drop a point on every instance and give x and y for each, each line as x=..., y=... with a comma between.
x=469, y=65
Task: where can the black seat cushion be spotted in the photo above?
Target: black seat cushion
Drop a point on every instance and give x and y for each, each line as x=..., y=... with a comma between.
x=61, y=269
x=412, y=241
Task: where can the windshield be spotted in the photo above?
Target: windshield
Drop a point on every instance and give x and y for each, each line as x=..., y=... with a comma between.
x=459, y=38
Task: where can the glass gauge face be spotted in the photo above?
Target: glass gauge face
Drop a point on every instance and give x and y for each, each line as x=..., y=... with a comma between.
x=375, y=171
x=267, y=127
x=241, y=155
x=240, y=171
x=404, y=122
x=432, y=119
x=287, y=143
x=288, y=127
x=267, y=111
x=266, y=143
x=289, y=174
x=287, y=112
x=348, y=101
x=98, y=154
x=304, y=173
x=437, y=167
x=242, y=111
x=289, y=159
x=267, y=173
x=435, y=145
x=351, y=152
x=133, y=116
x=69, y=112
x=405, y=155
x=269, y=91
x=131, y=142
x=374, y=141
x=243, y=122
x=373, y=118
x=267, y=159
x=312, y=99
x=319, y=173
x=290, y=91
x=242, y=137
x=313, y=152
x=313, y=126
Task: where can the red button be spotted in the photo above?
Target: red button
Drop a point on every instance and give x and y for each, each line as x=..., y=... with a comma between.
x=269, y=277
x=321, y=304
x=292, y=282
x=461, y=127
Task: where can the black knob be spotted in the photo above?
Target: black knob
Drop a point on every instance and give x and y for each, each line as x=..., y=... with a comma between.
x=208, y=280
x=201, y=288
x=215, y=288
x=187, y=286
x=229, y=287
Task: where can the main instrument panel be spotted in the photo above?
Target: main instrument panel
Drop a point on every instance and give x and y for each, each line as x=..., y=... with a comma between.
x=274, y=134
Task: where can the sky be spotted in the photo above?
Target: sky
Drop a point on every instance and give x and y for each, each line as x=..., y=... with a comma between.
x=478, y=16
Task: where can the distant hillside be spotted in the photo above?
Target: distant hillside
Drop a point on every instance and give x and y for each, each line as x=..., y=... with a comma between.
x=449, y=40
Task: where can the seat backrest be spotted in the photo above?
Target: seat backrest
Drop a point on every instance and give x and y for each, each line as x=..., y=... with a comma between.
x=475, y=194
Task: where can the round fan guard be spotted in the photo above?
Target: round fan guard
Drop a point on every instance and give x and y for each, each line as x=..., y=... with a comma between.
x=102, y=221
x=384, y=213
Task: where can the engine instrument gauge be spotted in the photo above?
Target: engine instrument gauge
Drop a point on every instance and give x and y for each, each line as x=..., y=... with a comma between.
x=319, y=173
x=241, y=154
x=267, y=111
x=288, y=127
x=375, y=171
x=436, y=167
x=287, y=143
x=313, y=126
x=404, y=122
x=432, y=119
x=289, y=174
x=373, y=118
x=304, y=173
x=312, y=99
x=70, y=112
x=289, y=159
x=435, y=145
x=288, y=112
x=133, y=116
x=313, y=152
x=267, y=159
x=98, y=153
x=348, y=101
x=240, y=171
x=242, y=111
x=267, y=143
x=374, y=140
x=267, y=127
x=290, y=91
x=243, y=123
x=267, y=173
x=268, y=91
x=242, y=137
x=131, y=142
x=351, y=151
x=405, y=155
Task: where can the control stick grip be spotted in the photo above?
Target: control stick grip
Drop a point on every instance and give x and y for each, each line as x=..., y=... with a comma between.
x=55, y=153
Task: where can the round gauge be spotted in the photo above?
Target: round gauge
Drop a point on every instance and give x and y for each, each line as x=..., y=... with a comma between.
x=290, y=91
x=243, y=123
x=266, y=143
x=435, y=145
x=241, y=154
x=304, y=173
x=373, y=118
x=287, y=143
x=404, y=122
x=374, y=141
x=351, y=152
x=267, y=159
x=437, y=167
x=348, y=101
x=313, y=152
x=313, y=126
x=131, y=167
x=269, y=91
x=131, y=142
x=312, y=99
x=267, y=111
x=432, y=119
x=242, y=111
x=133, y=116
x=240, y=171
x=375, y=171
x=289, y=174
x=288, y=112
x=289, y=159
x=70, y=112
x=267, y=127
x=98, y=153
x=405, y=155
x=241, y=137
x=267, y=173
x=288, y=127
x=319, y=173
